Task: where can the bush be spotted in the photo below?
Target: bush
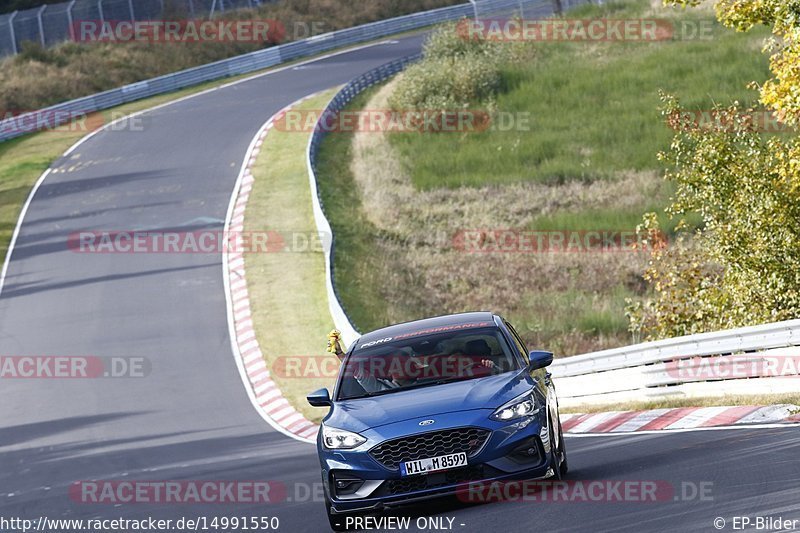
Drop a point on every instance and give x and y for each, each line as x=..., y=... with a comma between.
x=446, y=84
x=455, y=73
x=743, y=267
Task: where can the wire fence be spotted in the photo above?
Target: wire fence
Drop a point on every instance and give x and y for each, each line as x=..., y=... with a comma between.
x=56, y=115
x=51, y=24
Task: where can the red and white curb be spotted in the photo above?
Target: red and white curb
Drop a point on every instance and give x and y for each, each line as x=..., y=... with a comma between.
x=677, y=419
x=262, y=390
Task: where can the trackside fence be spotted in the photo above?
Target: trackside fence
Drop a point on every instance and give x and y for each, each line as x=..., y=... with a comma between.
x=62, y=113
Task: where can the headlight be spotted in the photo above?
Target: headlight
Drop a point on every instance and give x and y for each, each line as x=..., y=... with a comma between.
x=520, y=406
x=339, y=439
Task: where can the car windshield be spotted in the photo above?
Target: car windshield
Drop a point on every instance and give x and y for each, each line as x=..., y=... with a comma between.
x=419, y=361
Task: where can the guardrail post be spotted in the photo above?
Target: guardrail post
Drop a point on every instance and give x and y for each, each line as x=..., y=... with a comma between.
x=70, y=21
x=474, y=8
x=41, y=24
x=130, y=8
x=100, y=9
x=12, y=32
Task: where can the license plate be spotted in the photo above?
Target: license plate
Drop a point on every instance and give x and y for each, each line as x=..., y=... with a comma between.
x=433, y=464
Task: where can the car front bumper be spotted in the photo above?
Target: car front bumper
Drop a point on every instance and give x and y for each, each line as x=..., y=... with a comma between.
x=513, y=450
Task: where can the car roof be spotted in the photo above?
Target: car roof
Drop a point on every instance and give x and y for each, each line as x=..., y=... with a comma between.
x=478, y=318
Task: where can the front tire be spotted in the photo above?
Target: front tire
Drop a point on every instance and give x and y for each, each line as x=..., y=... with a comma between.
x=563, y=466
x=558, y=454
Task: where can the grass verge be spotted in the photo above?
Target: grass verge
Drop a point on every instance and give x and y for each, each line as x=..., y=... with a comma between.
x=288, y=300
x=587, y=163
x=732, y=400
x=592, y=108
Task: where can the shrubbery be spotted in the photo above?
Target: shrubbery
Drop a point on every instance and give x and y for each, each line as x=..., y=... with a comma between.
x=455, y=73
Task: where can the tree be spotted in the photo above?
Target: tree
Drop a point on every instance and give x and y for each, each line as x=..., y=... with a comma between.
x=743, y=267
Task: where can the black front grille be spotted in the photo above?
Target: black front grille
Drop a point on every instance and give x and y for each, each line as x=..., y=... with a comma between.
x=392, y=452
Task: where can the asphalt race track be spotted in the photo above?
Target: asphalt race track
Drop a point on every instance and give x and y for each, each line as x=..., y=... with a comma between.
x=190, y=418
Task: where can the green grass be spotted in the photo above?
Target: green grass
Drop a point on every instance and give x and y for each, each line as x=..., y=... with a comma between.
x=355, y=253
x=547, y=317
x=593, y=109
x=611, y=218
x=587, y=163
x=288, y=288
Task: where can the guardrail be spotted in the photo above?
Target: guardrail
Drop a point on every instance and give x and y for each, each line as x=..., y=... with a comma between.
x=752, y=360
x=340, y=318
x=63, y=113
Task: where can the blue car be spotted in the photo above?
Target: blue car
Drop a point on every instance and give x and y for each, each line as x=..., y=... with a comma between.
x=423, y=408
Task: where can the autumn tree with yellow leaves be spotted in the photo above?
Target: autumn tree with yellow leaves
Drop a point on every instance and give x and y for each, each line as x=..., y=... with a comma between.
x=743, y=267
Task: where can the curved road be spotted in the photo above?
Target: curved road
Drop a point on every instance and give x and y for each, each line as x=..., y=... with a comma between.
x=190, y=418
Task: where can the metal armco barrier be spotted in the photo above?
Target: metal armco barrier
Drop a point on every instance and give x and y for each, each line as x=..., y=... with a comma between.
x=337, y=103
x=254, y=61
x=754, y=360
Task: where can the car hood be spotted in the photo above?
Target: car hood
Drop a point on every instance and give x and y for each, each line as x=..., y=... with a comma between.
x=482, y=393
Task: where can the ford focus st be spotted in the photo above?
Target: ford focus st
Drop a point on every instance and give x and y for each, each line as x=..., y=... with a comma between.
x=421, y=409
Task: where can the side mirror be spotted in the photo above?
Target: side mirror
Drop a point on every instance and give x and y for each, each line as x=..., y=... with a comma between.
x=539, y=359
x=319, y=398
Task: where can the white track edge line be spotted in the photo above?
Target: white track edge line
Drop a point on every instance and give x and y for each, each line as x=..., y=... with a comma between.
x=237, y=356
x=268, y=72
